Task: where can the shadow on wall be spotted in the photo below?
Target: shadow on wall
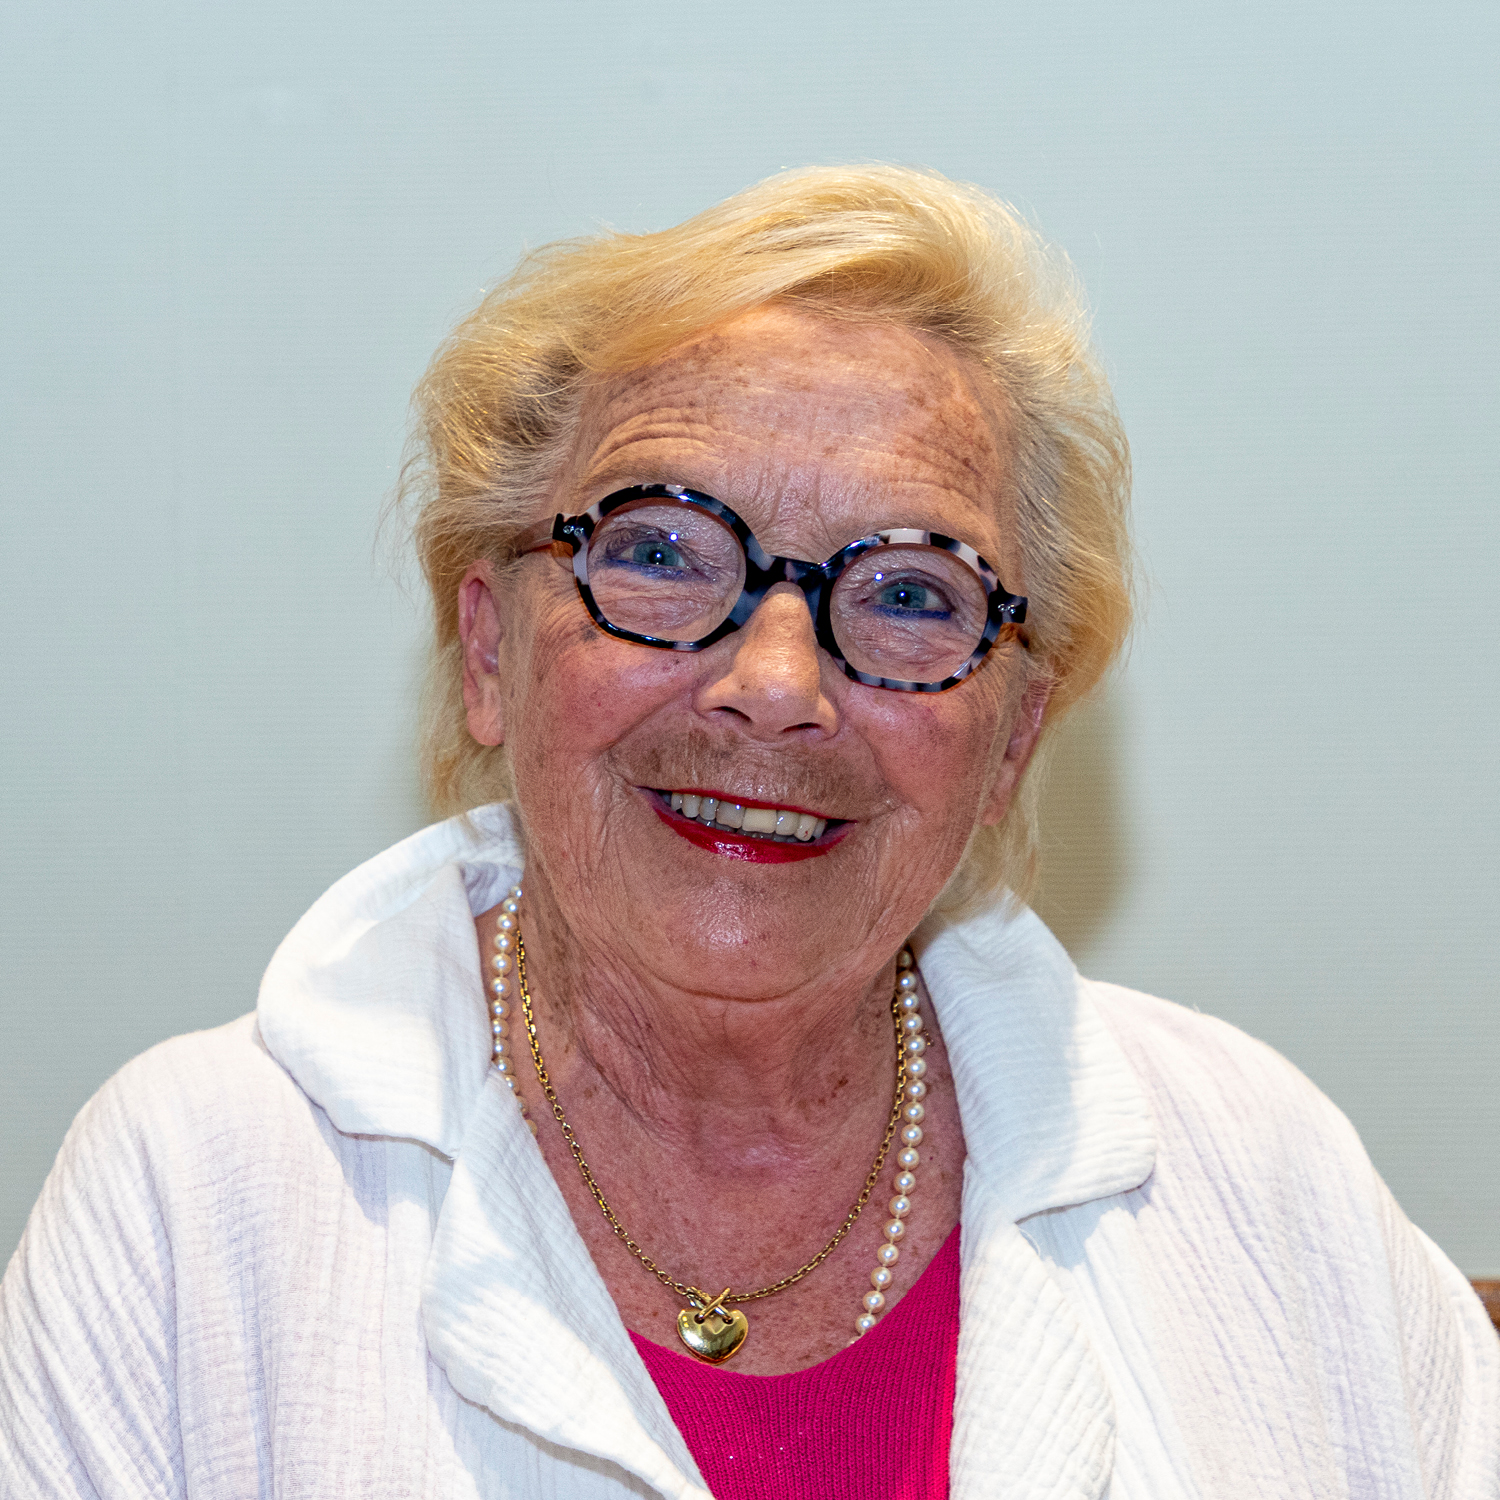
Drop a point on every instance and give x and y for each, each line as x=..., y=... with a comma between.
x=1085, y=862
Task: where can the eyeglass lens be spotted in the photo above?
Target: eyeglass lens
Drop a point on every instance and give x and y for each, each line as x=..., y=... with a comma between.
x=902, y=610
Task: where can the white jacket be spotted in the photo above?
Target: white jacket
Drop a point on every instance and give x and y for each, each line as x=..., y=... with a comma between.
x=316, y=1254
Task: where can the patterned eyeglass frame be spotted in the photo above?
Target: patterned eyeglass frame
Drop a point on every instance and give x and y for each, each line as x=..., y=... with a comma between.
x=763, y=572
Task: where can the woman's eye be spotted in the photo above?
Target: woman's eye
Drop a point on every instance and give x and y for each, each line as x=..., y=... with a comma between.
x=655, y=555
x=910, y=598
x=650, y=550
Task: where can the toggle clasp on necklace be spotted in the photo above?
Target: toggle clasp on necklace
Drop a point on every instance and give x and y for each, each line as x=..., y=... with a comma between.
x=705, y=1307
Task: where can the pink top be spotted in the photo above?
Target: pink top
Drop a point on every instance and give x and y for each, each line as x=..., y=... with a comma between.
x=874, y=1421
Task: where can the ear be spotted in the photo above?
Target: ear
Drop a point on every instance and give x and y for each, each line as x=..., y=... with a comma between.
x=1025, y=730
x=479, y=632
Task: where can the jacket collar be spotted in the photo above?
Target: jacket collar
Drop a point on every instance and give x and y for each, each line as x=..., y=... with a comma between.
x=1052, y=1113
x=373, y=1001
x=374, y=1005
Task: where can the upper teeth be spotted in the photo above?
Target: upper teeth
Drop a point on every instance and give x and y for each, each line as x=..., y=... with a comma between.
x=780, y=821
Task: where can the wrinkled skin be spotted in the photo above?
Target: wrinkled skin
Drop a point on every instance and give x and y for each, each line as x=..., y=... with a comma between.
x=720, y=1030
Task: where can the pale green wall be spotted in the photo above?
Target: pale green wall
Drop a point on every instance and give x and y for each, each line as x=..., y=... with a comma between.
x=233, y=233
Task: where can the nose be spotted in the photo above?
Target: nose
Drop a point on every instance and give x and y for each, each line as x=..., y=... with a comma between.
x=773, y=677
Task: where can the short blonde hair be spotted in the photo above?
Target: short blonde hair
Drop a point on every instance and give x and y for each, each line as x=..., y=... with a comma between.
x=499, y=407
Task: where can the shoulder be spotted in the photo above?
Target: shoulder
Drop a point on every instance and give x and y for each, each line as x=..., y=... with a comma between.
x=192, y=1088
x=1205, y=1077
x=1255, y=1166
x=162, y=1211
x=1165, y=1032
x=1243, y=1137
x=1265, y=1203
x=198, y=1164
x=172, y=1136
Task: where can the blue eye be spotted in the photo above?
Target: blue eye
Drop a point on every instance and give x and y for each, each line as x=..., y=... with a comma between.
x=655, y=555
x=907, y=599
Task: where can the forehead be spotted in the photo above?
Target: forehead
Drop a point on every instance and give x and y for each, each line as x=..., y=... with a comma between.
x=814, y=430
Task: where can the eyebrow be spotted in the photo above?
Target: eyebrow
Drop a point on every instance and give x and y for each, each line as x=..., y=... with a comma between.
x=611, y=477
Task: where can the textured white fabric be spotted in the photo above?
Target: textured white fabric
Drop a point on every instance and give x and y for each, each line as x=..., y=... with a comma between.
x=316, y=1254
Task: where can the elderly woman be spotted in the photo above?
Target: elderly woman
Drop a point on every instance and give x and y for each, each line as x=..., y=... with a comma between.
x=710, y=1118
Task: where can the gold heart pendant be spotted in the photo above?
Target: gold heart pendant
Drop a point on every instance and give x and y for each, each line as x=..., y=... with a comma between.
x=713, y=1335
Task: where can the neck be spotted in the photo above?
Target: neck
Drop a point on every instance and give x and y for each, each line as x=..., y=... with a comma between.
x=744, y=1081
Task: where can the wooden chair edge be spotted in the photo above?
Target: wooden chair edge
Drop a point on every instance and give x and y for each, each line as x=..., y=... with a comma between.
x=1489, y=1294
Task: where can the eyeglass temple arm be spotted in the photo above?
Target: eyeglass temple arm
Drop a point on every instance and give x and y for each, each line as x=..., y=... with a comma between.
x=536, y=538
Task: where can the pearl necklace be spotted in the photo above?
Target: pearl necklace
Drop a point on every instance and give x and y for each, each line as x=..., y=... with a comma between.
x=713, y=1328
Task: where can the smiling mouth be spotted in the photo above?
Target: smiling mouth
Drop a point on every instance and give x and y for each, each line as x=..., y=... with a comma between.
x=783, y=825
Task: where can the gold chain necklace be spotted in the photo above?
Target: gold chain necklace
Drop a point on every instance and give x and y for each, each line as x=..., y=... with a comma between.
x=713, y=1328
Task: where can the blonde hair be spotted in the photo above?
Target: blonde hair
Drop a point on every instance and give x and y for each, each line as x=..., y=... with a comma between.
x=499, y=406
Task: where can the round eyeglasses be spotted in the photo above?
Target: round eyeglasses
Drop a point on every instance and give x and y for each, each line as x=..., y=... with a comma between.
x=665, y=566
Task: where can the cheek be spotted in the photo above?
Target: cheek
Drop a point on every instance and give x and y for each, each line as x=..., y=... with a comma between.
x=578, y=691
x=936, y=750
